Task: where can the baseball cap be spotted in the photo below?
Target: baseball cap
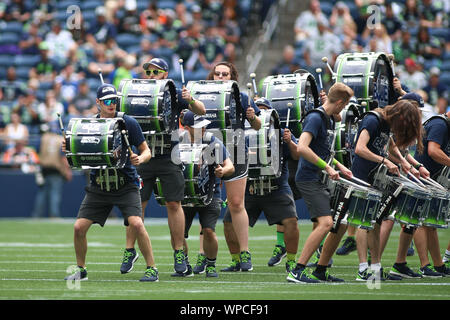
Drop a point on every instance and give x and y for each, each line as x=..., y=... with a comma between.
x=106, y=91
x=434, y=71
x=194, y=121
x=263, y=102
x=415, y=97
x=157, y=62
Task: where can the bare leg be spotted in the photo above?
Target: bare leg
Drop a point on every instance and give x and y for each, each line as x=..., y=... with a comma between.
x=81, y=228
x=291, y=234
x=330, y=245
x=231, y=238
x=420, y=240
x=385, y=232
x=137, y=226
x=175, y=217
x=235, y=195
x=313, y=241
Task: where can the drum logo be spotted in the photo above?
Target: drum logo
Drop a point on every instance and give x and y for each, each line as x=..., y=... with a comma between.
x=140, y=101
x=90, y=140
x=205, y=97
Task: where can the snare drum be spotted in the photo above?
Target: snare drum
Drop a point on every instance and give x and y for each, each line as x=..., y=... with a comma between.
x=296, y=92
x=93, y=143
x=265, y=146
x=199, y=178
x=370, y=75
x=411, y=204
x=443, y=177
x=222, y=101
x=151, y=102
x=437, y=213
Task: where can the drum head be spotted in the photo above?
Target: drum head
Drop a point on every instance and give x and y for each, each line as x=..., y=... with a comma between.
x=151, y=102
x=292, y=95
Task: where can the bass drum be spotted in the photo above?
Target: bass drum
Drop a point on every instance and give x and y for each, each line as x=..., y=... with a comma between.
x=199, y=178
x=222, y=101
x=265, y=147
x=292, y=95
x=370, y=75
x=93, y=143
x=151, y=102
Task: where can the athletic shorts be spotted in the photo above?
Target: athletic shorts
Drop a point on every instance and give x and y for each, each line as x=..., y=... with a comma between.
x=276, y=208
x=170, y=175
x=240, y=171
x=207, y=215
x=97, y=204
x=316, y=197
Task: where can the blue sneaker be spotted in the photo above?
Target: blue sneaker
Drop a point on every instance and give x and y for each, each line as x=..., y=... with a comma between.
x=429, y=272
x=150, y=275
x=363, y=275
x=246, y=261
x=278, y=254
x=290, y=265
x=200, y=266
x=180, y=265
x=404, y=271
x=235, y=266
x=211, y=271
x=324, y=277
x=300, y=276
x=129, y=258
x=189, y=272
x=348, y=246
x=79, y=274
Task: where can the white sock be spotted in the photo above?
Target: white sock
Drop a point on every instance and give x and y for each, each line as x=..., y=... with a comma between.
x=446, y=256
x=375, y=267
x=363, y=266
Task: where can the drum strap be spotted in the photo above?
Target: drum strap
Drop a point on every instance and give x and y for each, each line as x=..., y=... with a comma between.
x=340, y=210
x=388, y=200
x=110, y=181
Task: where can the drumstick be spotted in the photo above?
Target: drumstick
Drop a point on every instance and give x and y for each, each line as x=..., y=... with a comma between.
x=253, y=76
x=391, y=59
x=415, y=179
x=124, y=133
x=100, y=75
x=288, y=114
x=61, y=126
x=216, y=154
x=319, y=72
x=325, y=60
x=182, y=72
x=434, y=183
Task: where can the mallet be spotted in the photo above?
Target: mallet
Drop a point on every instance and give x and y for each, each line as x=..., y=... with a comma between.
x=182, y=72
x=253, y=76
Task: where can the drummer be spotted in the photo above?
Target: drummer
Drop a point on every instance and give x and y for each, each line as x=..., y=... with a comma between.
x=171, y=177
x=403, y=119
x=208, y=215
x=278, y=206
x=99, y=200
x=435, y=157
x=236, y=183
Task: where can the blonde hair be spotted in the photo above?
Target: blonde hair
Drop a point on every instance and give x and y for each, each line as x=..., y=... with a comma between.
x=340, y=91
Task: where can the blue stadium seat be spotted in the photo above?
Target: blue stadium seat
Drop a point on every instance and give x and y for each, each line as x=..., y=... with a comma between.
x=26, y=60
x=89, y=16
x=63, y=5
x=326, y=7
x=90, y=5
x=9, y=38
x=125, y=40
x=142, y=5
x=22, y=73
x=445, y=66
x=167, y=4
x=445, y=78
x=45, y=85
x=446, y=55
x=442, y=33
x=5, y=60
x=94, y=83
x=13, y=27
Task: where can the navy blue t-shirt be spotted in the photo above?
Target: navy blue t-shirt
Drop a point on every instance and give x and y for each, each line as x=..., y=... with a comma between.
x=135, y=137
x=320, y=145
x=282, y=181
x=435, y=130
x=379, y=137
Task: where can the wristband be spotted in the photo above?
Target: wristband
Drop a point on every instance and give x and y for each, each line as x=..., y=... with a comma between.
x=417, y=166
x=321, y=164
x=335, y=162
x=192, y=101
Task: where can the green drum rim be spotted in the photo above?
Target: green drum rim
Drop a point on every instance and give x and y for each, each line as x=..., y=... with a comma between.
x=189, y=184
x=105, y=142
x=72, y=145
x=155, y=108
x=161, y=199
x=124, y=94
x=338, y=146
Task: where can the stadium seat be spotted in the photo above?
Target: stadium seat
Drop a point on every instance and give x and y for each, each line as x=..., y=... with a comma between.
x=167, y=4
x=125, y=40
x=326, y=7
x=445, y=66
x=442, y=33
x=26, y=60
x=45, y=85
x=90, y=5
x=9, y=38
x=22, y=73
x=13, y=27
x=142, y=5
x=63, y=5
x=5, y=60
x=445, y=78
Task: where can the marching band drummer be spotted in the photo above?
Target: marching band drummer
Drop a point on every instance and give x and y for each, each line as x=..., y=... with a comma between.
x=435, y=157
x=171, y=177
x=404, y=120
x=278, y=205
x=208, y=215
x=98, y=202
x=314, y=147
x=236, y=183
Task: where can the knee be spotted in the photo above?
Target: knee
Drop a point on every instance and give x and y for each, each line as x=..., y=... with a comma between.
x=235, y=204
x=290, y=224
x=173, y=207
x=325, y=224
x=79, y=230
x=208, y=233
x=136, y=223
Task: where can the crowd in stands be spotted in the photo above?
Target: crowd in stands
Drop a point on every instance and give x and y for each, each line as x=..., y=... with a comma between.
x=415, y=31
x=51, y=51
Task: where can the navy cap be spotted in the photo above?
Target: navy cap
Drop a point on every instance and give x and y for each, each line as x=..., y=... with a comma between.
x=194, y=121
x=157, y=62
x=106, y=91
x=263, y=102
x=415, y=97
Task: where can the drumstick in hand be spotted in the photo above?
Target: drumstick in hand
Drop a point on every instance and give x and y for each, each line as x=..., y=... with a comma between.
x=124, y=133
x=319, y=72
x=182, y=72
x=253, y=76
x=61, y=126
x=100, y=75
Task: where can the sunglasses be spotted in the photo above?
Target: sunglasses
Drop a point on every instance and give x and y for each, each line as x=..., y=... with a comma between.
x=108, y=102
x=224, y=74
x=155, y=72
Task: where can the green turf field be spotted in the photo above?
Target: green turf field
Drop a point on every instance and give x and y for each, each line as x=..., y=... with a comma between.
x=35, y=254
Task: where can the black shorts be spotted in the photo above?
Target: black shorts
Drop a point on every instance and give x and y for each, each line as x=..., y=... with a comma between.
x=207, y=215
x=316, y=197
x=170, y=175
x=97, y=204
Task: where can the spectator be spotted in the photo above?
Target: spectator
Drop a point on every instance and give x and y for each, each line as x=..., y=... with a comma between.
x=45, y=70
x=211, y=12
x=430, y=16
x=168, y=30
x=306, y=24
x=211, y=49
x=12, y=88
x=125, y=71
x=341, y=21
x=21, y=156
x=411, y=14
x=100, y=61
x=428, y=47
x=324, y=44
x=83, y=105
x=55, y=170
x=289, y=63
x=15, y=130
x=184, y=16
x=17, y=10
x=129, y=23
x=404, y=47
x=149, y=19
x=60, y=42
x=391, y=22
x=428, y=110
x=27, y=109
x=188, y=48
x=437, y=92
x=101, y=29
x=229, y=30
x=48, y=110
x=30, y=40
x=413, y=78
x=381, y=40
x=69, y=83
